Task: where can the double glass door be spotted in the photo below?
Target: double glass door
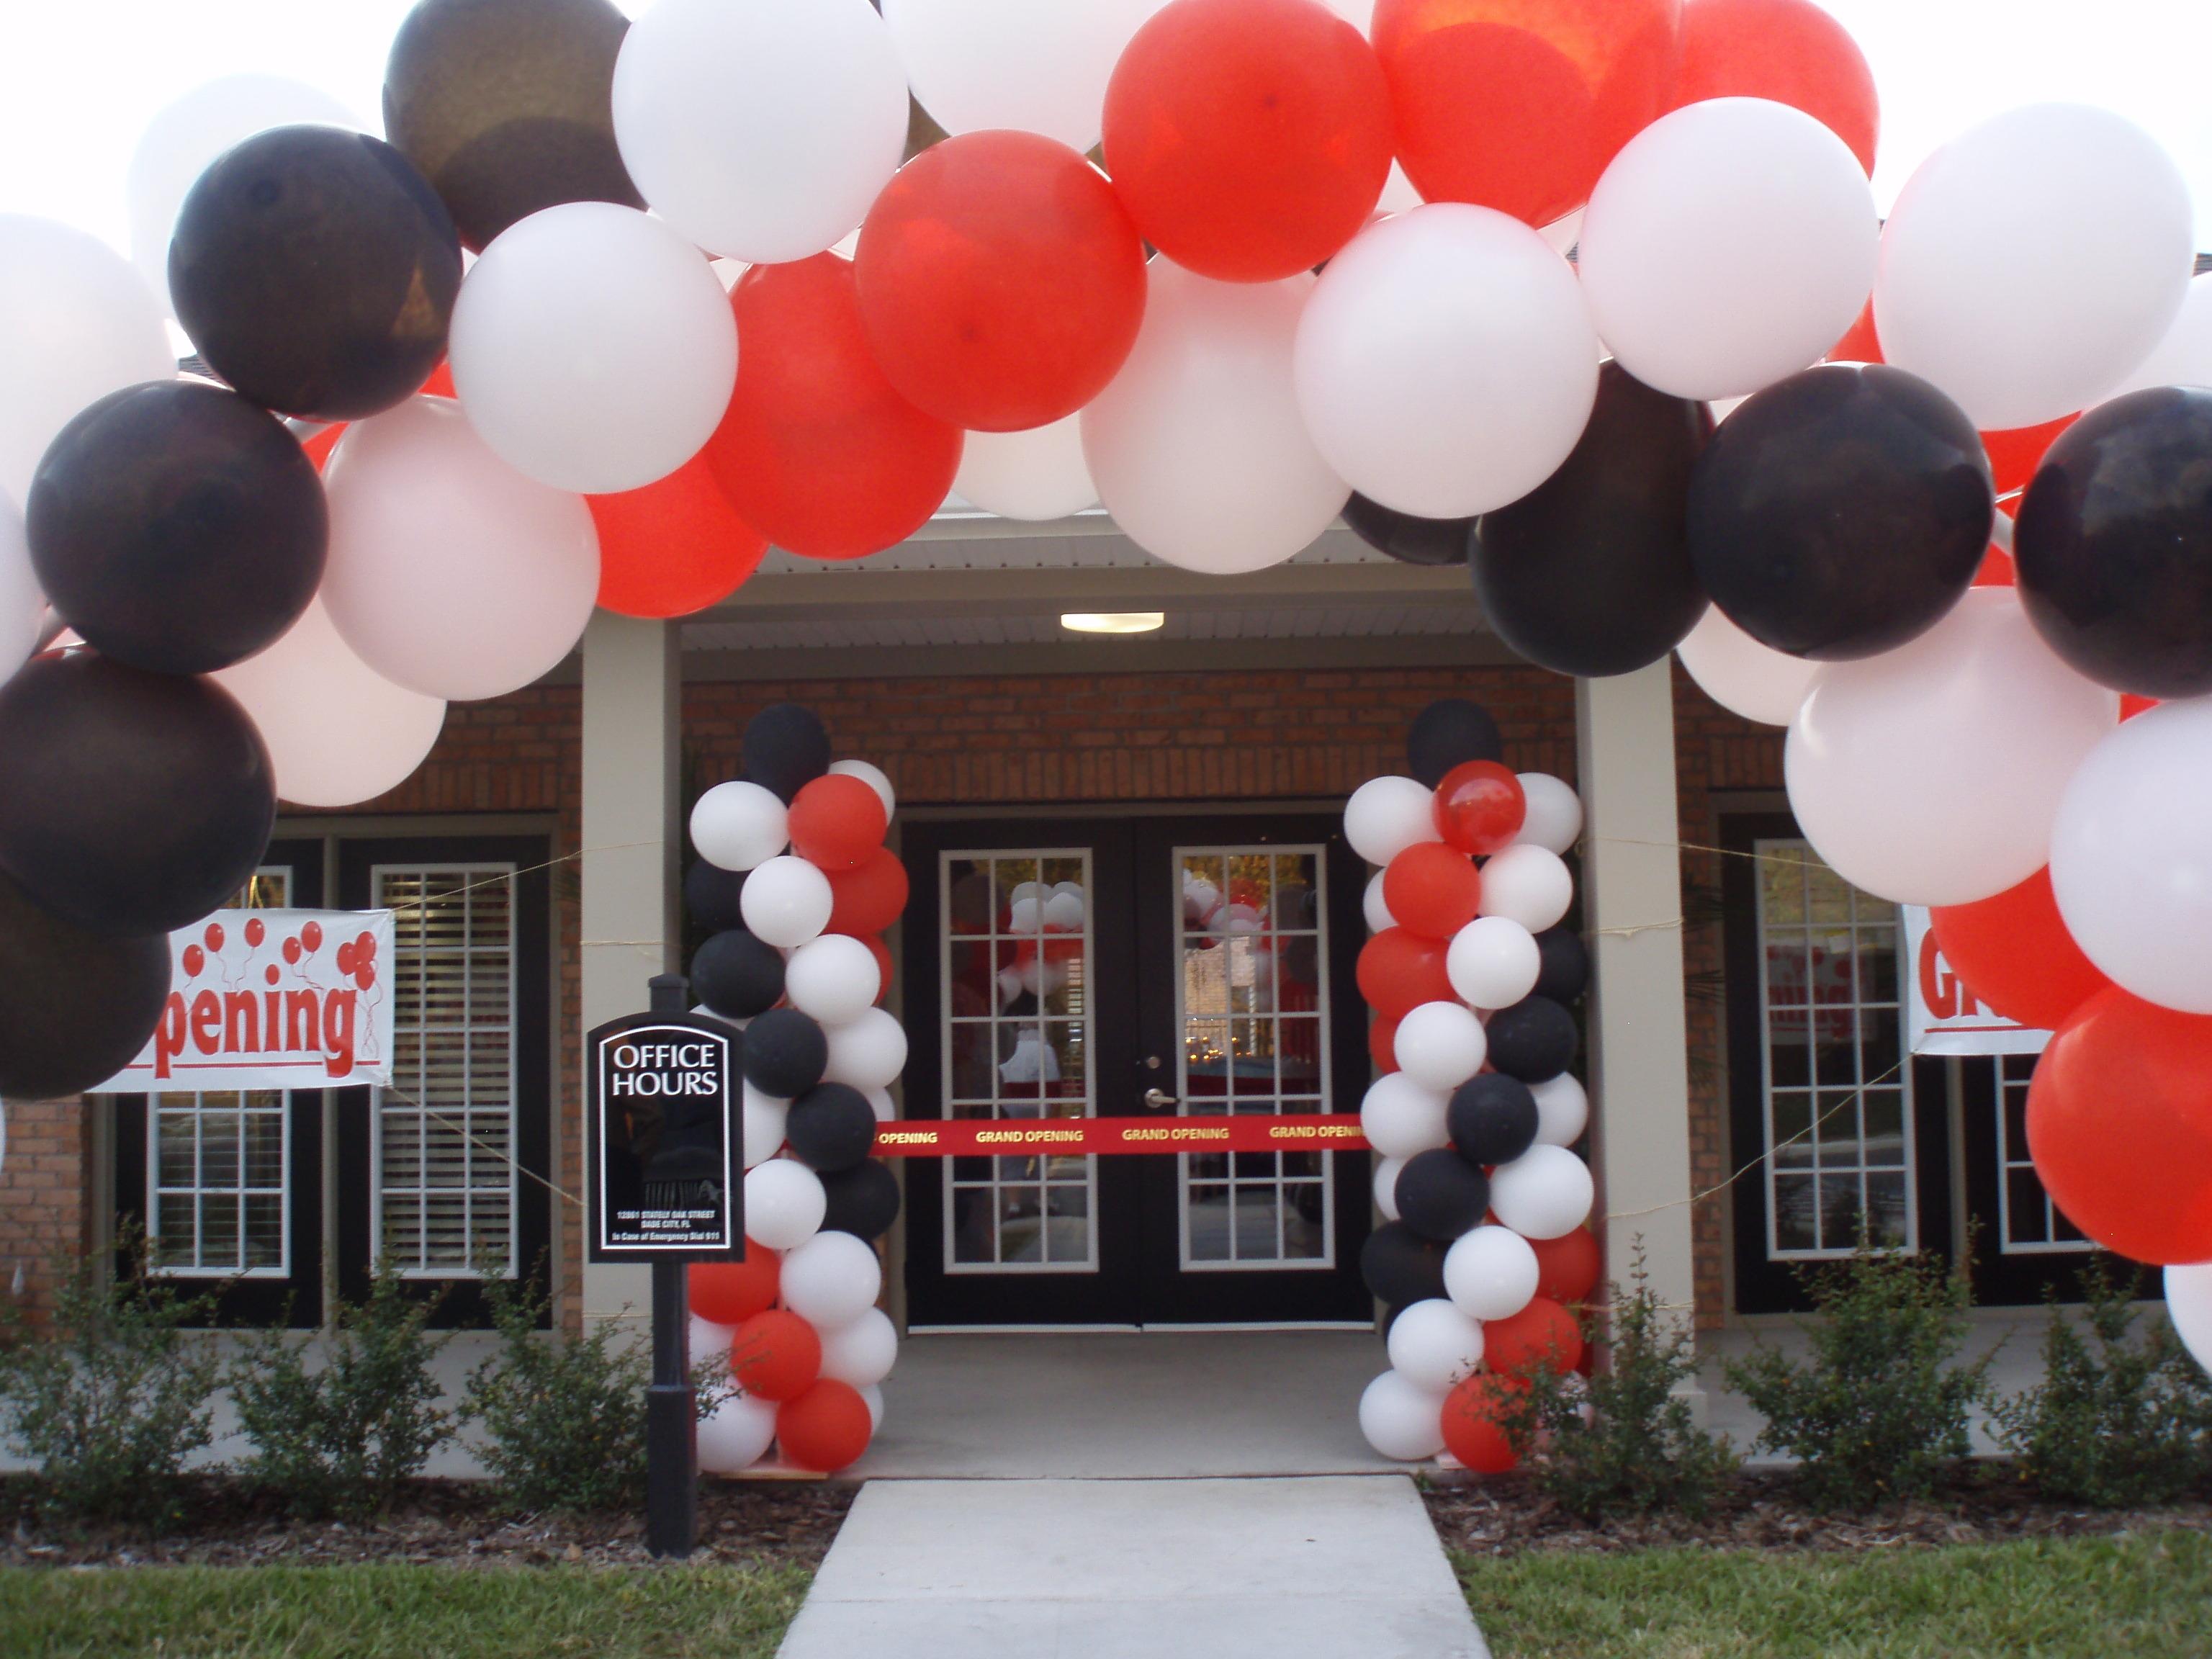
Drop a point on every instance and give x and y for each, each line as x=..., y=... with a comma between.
x=1135, y=968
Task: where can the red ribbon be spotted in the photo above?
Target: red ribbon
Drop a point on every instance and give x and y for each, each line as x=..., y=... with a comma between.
x=1068, y=1137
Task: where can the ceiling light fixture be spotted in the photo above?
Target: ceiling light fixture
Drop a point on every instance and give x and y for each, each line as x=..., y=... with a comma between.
x=1112, y=622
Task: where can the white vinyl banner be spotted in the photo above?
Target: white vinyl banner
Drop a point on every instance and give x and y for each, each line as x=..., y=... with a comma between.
x=272, y=999
x=1942, y=1016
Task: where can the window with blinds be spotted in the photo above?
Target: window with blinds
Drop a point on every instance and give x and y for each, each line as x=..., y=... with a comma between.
x=444, y=1199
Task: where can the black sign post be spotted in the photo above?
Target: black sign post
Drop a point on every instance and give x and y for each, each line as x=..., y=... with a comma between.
x=663, y=1095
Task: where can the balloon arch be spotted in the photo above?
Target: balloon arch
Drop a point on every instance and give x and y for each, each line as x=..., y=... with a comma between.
x=662, y=359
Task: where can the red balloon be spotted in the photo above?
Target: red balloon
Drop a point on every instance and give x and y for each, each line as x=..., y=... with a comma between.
x=674, y=547
x=1480, y=807
x=868, y=898
x=292, y=950
x=1432, y=890
x=1382, y=1044
x=312, y=936
x=1400, y=970
x=825, y=1428
x=1518, y=104
x=2014, y=455
x=817, y=451
x=1470, y=1422
x=2015, y=954
x=195, y=959
x=2119, y=1121
x=836, y=822
x=365, y=975
x=776, y=1355
x=883, y=955
x=731, y=1292
x=255, y=932
x=2132, y=705
x=1996, y=570
x=1568, y=1267
x=1543, y=1333
x=1860, y=344
x=319, y=445
x=213, y=936
x=1789, y=51
x=1250, y=139
x=1001, y=281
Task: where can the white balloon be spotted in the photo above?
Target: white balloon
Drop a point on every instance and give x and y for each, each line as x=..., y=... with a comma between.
x=1930, y=775
x=832, y=978
x=1196, y=445
x=76, y=324
x=868, y=1051
x=338, y=732
x=976, y=64
x=1446, y=364
x=2131, y=855
x=22, y=605
x=1400, y=1116
x=1554, y=820
x=1064, y=913
x=874, y=776
x=1374, y=907
x=1434, y=1346
x=1440, y=1045
x=1546, y=1192
x=874, y=1397
x=2184, y=357
x=1037, y=475
x=450, y=573
x=708, y=1346
x=784, y=1204
x=1741, y=675
x=761, y=132
x=2189, y=1304
x=187, y=133
x=1493, y=961
x=736, y=1435
x=1385, y=1184
x=862, y=1351
x=785, y=902
x=765, y=1116
x=1491, y=1272
x=1527, y=883
x=881, y=1103
x=830, y=1281
x=593, y=348
x=2034, y=260
x=1401, y=1420
x=740, y=825
x=1729, y=244
x=1562, y=1109
x=1386, y=815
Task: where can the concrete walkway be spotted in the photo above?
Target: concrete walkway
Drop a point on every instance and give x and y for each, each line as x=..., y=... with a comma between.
x=1326, y=1567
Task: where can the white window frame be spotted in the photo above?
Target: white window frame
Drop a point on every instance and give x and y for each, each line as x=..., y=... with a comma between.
x=2050, y=1243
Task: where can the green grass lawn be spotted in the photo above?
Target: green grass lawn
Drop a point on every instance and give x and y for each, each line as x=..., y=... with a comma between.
x=398, y=1612
x=2086, y=1598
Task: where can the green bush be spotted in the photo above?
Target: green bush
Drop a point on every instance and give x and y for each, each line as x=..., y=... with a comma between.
x=2118, y=1420
x=339, y=1437
x=114, y=1396
x=1626, y=1442
x=1880, y=1409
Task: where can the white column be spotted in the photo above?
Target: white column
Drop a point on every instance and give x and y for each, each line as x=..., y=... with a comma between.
x=1632, y=908
x=632, y=842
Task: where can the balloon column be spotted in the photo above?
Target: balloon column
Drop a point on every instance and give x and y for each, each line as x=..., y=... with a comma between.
x=797, y=886
x=1472, y=973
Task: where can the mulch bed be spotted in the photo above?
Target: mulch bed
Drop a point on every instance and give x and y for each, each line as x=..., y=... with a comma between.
x=1505, y=1514
x=781, y=1522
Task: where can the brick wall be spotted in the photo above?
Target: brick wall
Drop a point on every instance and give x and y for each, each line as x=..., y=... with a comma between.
x=42, y=1187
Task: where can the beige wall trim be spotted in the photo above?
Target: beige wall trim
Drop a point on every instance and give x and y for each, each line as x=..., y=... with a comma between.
x=1124, y=656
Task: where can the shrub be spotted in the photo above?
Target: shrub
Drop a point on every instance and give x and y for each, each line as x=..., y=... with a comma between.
x=112, y=1399
x=2116, y=1420
x=339, y=1437
x=1625, y=1441
x=1881, y=1407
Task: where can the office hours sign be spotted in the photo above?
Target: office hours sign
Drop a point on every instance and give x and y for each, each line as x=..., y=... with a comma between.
x=662, y=1097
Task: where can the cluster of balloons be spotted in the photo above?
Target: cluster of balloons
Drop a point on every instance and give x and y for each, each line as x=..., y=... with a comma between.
x=1471, y=974
x=795, y=885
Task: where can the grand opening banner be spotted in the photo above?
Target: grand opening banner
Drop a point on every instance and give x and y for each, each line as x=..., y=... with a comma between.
x=1942, y=1015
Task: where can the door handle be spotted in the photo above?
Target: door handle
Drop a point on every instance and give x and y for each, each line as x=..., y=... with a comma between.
x=1157, y=1100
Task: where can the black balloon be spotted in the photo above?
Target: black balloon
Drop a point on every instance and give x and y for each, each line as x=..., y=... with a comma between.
x=864, y=1201
x=1449, y=733
x=711, y=894
x=737, y=975
x=1590, y=573
x=507, y=108
x=78, y=1006
x=1493, y=1119
x=315, y=270
x=2114, y=543
x=830, y=1126
x=1535, y=1040
x=1400, y=1266
x=177, y=526
x=1565, y=973
x=787, y=747
x=785, y=1052
x=1842, y=512
x=1441, y=1195
x=1406, y=538
x=129, y=802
